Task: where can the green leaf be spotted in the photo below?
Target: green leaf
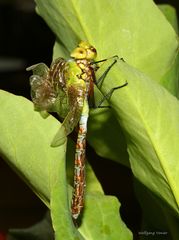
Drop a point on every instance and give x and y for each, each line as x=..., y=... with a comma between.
x=107, y=207
x=59, y=50
x=25, y=144
x=111, y=227
x=134, y=25
x=76, y=19
x=106, y=136
x=170, y=14
x=171, y=77
x=61, y=216
x=149, y=117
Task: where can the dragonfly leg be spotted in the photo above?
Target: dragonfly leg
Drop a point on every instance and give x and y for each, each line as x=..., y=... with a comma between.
x=110, y=62
x=105, y=59
x=108, y=95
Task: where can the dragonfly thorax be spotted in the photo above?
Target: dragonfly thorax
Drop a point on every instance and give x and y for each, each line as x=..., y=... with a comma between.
x=87, y=73
x=87, y=69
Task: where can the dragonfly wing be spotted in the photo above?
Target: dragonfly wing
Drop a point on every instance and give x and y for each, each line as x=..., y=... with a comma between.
x=60, y=137
x=43, y=92
x=58, y=76
x=39, y=69
x=76, y=95
x=61, y=106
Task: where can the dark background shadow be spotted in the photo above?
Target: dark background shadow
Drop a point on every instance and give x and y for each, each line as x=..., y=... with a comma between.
x=25, y=39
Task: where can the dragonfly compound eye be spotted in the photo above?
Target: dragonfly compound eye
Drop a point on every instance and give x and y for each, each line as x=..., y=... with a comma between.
x=78, y=53
x=91, y=53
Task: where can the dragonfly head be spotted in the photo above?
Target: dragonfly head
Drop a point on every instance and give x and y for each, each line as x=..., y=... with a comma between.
x=84, y=50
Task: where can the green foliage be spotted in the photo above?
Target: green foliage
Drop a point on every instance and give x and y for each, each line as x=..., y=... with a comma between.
x=141, y=131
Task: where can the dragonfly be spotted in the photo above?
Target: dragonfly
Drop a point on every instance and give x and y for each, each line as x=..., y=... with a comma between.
x=65, y=88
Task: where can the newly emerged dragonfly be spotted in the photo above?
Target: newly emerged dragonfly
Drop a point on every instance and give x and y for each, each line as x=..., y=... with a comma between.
x=65, y=88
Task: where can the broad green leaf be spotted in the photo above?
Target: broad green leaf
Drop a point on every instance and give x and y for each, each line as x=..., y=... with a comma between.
x=140, y=34
x=105, y=207
x=171, y=78
x=106, y=136
x=60, y=51
x=97, y=212
x=76, y=19
x=170, y=14
x=25, y=144
x=111, y=227
x=59, y=202
x=149, y=116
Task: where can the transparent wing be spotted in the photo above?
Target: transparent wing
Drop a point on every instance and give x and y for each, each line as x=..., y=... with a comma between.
x=39, y=69
x=76, y=99
x=43, y=93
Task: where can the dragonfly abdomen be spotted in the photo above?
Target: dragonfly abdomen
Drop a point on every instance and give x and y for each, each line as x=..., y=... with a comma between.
x=79, y=168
